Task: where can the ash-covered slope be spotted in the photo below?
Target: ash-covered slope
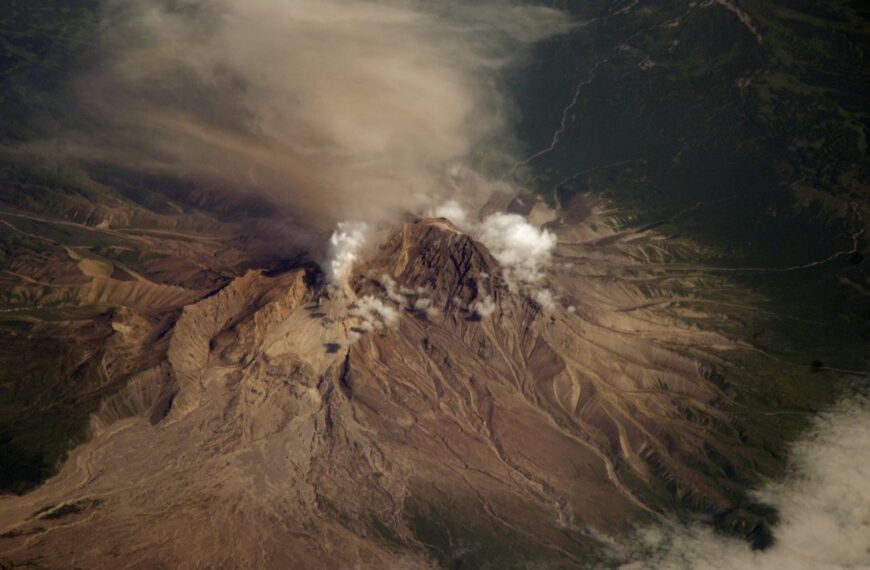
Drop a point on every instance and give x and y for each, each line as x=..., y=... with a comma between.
x=437, y=418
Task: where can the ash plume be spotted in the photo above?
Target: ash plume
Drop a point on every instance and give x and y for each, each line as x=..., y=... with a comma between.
x=334, y=109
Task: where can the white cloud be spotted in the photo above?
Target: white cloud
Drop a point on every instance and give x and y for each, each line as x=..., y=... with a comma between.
x=823, y=503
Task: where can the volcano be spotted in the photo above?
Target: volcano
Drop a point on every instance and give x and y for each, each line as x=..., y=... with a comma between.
x=286, y=423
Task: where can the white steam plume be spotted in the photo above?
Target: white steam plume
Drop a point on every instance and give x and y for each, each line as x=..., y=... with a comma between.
x=522, y=249
x=451, y=210
x=344, y=247
x=374, y=314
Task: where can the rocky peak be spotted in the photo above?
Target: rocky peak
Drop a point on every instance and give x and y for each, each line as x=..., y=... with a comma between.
x=433, y=256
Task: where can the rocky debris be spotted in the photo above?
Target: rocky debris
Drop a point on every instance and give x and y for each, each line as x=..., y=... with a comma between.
x=267, y=439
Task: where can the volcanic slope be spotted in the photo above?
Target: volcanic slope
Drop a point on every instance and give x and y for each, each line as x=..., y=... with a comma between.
x=398, y=424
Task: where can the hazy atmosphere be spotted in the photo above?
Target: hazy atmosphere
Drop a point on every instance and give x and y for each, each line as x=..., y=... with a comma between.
x=336, y=108
x=422, y=284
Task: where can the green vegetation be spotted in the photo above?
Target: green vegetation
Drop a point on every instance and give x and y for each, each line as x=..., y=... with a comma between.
x=49, y=385
x=462, y=540
x=756, y=149
x=386, y=532
x=51, y=378
x=41, y=43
